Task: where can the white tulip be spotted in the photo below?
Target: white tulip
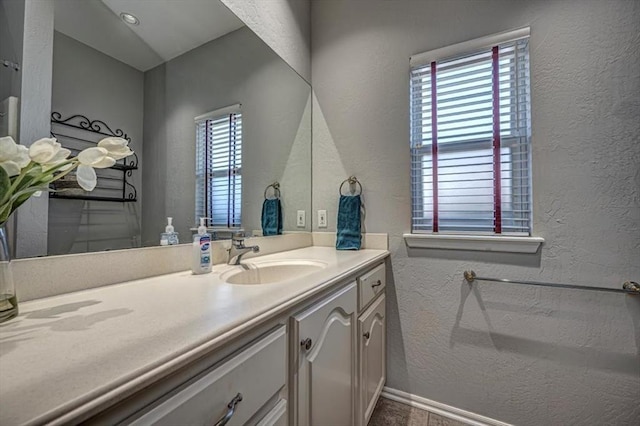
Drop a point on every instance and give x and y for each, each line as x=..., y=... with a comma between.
x=7, y=148
x=96, y=157
x=90, y=158
x=11, y=168
x=45, y=150
x=60, y=156
x=86, y=177
x=13, y=157
x=117, y=147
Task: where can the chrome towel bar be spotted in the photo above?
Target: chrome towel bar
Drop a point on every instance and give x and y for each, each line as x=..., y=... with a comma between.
x=628, y=287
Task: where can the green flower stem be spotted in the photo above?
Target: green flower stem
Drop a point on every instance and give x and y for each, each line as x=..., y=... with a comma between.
x=47, y=176
x=16, y=182
x=17, y=200
x=61, y=175
x=61, y=165
x=3, y=208
x=41, y=180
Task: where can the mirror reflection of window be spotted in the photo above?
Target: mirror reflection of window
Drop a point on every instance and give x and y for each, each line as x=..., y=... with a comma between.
x=219, y=167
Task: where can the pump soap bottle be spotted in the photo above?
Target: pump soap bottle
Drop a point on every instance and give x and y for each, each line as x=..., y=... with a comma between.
x=201, y=260
x=169, y=237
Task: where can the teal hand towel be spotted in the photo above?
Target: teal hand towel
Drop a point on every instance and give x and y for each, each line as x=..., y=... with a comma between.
x=348, y=235
x=271, y=217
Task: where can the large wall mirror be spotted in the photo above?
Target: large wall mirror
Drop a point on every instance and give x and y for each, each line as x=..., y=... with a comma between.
x=165, y=73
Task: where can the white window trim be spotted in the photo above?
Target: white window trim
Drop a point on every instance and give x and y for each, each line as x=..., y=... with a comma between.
x=487, y=243
x=232, y=109
x=468, y=46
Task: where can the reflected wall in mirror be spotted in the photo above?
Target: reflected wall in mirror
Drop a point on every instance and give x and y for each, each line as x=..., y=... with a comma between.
x=182, y=60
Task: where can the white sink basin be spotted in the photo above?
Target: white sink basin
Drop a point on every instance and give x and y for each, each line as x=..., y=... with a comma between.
x=271, y=272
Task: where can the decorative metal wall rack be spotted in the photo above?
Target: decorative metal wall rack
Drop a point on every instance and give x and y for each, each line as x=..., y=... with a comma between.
x=113, y=183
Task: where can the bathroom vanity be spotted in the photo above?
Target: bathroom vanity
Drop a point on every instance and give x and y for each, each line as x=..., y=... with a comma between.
x=306, y=347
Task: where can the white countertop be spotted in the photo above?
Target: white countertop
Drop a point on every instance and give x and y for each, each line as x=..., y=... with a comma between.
x=69, y=354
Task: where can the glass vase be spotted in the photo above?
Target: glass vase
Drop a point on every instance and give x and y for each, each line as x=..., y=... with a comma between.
x=8, y=301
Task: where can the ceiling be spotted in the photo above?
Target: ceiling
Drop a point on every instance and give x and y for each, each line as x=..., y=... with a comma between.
x=167, y=29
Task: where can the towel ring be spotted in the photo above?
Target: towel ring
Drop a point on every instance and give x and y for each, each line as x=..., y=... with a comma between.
x=352, y=180
x=276, y=190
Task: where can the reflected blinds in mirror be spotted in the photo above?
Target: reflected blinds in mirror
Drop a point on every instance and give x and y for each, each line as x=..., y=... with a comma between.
x=470, y=141
x=219, y=168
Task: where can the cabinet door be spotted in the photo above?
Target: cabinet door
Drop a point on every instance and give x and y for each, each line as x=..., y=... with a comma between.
x=372, y=357
x=324, y=357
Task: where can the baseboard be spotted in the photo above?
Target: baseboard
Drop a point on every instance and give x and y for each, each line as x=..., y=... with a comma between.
x=439, y=408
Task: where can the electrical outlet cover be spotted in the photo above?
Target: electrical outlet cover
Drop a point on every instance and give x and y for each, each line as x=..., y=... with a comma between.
x=301, y=218
x=322, y=218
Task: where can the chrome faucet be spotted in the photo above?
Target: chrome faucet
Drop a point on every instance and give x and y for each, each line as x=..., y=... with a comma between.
x=238, y=249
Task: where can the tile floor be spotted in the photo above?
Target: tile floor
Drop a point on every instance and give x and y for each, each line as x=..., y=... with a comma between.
x=391, y=413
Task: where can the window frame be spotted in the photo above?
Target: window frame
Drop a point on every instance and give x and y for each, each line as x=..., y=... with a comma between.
x=471, y=48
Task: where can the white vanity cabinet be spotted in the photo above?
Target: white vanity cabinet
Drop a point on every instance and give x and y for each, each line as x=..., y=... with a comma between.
x=372, y=372
x=324, y=361
x=371, y=357
x=306, y=350
x=233, y=393
x=339, y=363
x=319, y=363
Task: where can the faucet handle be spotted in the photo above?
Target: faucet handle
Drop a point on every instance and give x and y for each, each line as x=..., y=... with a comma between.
x=237, y=239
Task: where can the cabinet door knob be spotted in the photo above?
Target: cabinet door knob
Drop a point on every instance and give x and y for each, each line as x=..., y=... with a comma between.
x=231, y=409
x=376, y=284
x=367, y=335
x=306, y=343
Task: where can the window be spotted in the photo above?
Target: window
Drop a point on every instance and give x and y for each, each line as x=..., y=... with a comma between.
x=219, y=167
x=470, y=137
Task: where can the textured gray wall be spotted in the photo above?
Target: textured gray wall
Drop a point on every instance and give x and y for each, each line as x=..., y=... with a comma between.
x=283, y=24
x=276, y=130
x=88, y=82
x=519, y=354
x=11, y=35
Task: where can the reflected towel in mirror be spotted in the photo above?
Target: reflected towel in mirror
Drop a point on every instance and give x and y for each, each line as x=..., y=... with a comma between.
x=271, y=217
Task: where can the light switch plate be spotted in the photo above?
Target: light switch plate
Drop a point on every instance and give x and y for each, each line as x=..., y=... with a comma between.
x=322, y=218
x=301, y=218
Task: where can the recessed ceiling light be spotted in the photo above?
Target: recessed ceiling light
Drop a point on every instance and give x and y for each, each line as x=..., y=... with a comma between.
x=129, y=18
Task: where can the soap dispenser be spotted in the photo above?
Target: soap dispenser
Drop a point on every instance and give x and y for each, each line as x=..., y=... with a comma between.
x=201, y=260
x=169, y=237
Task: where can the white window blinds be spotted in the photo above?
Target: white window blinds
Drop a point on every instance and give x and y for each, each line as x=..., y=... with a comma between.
x=219, y=168
x=470, y=141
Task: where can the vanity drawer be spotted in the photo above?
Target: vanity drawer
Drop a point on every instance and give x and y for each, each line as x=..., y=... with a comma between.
x=257, y=373
x=370, y=285
x=277, y=416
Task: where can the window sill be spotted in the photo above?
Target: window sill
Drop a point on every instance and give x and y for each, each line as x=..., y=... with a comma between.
x=492, y=243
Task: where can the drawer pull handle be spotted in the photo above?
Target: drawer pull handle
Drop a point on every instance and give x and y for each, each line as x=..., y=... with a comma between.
x=231, y=409
x=306, y=343
x=367, y=335
x=376, y=284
